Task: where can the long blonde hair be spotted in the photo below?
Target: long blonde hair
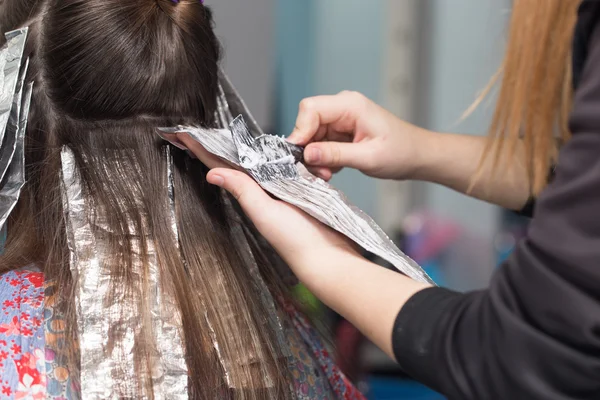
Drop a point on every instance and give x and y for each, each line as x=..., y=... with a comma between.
x=536, y=90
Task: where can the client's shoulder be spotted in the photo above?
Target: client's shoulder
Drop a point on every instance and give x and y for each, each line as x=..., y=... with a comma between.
x=21, y=303
x=21, y=333
x=29, y=280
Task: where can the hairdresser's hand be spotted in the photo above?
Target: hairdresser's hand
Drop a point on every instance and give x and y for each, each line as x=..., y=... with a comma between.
x=325, y=261
x=298, y=238
x=304, y=243
x=349, y=130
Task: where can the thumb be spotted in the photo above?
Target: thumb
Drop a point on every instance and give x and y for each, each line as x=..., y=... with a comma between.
x=335, y=154
x=246, y=191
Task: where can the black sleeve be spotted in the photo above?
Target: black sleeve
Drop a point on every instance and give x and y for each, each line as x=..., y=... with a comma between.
x=527, y=210
x=535, y=333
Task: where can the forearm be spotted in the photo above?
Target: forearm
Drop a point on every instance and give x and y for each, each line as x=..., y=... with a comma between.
x=452, y=160
x=367, y=295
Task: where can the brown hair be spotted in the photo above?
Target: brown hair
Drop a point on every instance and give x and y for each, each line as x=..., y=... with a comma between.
x=536, y=89
x=107, y=73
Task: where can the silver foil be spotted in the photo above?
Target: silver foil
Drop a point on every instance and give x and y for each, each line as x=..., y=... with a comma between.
x=92, y=280
x=11, y=57
x=171, y=377
x=14, y=179
x=108, y=330
x=7, y=150
x=276, y=165
x=15, y=100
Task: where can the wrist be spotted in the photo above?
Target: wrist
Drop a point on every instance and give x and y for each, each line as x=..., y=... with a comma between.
x=425, y=155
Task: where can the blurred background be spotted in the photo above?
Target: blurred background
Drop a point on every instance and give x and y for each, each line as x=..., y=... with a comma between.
x=424, y=60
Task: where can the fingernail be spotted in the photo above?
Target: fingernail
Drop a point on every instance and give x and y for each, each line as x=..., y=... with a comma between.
x=292, y=140
x=216, y=180
x=312, y=156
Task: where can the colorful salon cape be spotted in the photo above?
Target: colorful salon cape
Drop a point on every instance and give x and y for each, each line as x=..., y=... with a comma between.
x=29, y=332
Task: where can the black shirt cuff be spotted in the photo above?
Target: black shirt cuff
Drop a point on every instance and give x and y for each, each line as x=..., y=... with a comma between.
x=414, y=330
x=527, y=210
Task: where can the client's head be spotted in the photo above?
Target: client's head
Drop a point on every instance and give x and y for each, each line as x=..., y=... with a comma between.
x=106, y=74
x=111, y=60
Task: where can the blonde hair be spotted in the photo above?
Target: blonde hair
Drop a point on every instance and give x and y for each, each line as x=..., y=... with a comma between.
x=536, y=90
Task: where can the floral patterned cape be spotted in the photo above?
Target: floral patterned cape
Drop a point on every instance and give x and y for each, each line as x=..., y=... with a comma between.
x=29, y=331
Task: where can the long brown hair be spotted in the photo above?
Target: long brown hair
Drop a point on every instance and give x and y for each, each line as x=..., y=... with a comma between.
x=536, y=90
x=107, y=73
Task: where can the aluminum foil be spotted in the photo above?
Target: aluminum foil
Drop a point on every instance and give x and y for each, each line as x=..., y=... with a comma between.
x=15, y=100
x=276, y=165
x=14, y=179
x=11, y=57
x=108, y=331
x=171, y=377
x=7, y=150
x=92, y=280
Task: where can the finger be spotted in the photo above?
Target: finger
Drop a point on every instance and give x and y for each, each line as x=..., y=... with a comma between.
x=253, y=199
x=321, y=133
x=335, y=155
x=208, y=159
x=335, y=136
x=324, y=173
x=340, y=112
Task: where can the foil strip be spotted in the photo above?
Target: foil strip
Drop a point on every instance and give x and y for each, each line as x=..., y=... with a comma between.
x=7, y=150
x=14, y=179
x=276, y=165
x=89, y=278
x=92, y=282
x=14, y=112
x=11, y=57
x=107, y=331
x=171, y=374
